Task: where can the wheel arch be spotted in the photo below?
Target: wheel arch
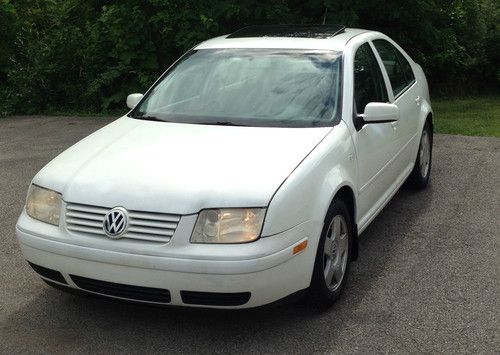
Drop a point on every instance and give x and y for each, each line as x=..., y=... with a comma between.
x=426, y=114
x=346, y=194
x=429, y=119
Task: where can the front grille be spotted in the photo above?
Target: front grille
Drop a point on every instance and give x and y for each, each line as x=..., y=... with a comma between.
x=136, y=293
x=146, y=226
x=215, y=298
x=48, y=273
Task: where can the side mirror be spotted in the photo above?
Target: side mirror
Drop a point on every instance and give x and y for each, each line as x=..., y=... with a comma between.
x=378, y=112
x=133, y=100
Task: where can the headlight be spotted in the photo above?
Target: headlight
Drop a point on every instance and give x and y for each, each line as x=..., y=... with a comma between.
x=231, y=225
x=43, y=204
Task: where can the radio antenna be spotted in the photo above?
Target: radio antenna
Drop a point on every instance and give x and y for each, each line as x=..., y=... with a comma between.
x=324, y=15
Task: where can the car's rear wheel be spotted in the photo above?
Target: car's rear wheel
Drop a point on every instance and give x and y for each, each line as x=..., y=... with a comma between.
x=419, y=177
x=331, y=266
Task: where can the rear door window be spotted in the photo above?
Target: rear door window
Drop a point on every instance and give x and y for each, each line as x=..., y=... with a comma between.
x=397, y=67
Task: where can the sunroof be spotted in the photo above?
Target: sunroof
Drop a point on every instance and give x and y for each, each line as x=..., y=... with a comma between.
x=295, y=31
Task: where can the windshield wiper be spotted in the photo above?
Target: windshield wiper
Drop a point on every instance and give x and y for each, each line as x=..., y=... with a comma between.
x=149, y=118
x=221, y=123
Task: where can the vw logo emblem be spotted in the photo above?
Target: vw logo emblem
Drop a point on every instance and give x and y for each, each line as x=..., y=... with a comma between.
x=115, y=222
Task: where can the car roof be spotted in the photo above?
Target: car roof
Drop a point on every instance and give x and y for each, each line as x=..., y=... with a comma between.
x=318, y=37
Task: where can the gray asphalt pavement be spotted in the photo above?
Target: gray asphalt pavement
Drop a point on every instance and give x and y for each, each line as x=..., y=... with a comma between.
x=427, y=280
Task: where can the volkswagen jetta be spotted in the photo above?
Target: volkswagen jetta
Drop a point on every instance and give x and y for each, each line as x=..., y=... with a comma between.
x=245, y=174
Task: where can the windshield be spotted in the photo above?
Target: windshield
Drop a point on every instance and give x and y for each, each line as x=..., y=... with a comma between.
x=247, y=87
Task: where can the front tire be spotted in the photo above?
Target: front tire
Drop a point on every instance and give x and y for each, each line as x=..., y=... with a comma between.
x=331, y=266
x=419, y=177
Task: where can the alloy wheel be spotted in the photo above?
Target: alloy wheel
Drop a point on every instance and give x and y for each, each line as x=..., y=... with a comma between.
x=335, y=252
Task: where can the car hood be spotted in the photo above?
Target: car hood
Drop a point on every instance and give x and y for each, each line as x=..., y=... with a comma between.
x=178, y=168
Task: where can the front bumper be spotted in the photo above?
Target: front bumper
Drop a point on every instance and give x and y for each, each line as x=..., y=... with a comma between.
x=267, y=268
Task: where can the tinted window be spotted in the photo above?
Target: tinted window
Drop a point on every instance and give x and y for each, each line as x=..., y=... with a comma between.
x=398, y=68
x=369, y=84
x=254, y=87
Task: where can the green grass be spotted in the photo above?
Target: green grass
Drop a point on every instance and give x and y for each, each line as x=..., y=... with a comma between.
x=469, y=117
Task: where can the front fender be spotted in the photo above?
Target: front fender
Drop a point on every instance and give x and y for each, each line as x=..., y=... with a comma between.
x=308, y=192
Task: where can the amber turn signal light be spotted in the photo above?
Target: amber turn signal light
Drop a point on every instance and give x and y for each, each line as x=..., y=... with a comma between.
x=299, y=247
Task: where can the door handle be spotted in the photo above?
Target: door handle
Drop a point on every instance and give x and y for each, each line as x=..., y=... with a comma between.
x=418, y=100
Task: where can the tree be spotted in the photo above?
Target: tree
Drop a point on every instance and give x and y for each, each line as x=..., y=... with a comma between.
x=88, y=54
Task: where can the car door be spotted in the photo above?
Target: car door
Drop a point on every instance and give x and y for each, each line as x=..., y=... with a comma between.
x=376, y=144
x=403, y=93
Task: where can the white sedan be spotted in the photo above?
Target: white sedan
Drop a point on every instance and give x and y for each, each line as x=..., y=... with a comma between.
x=244, y=175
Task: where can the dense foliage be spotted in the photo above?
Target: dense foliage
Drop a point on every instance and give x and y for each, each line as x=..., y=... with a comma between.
x=89, y=54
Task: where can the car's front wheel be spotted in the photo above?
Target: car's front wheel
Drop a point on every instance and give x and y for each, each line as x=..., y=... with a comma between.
x=331, y=266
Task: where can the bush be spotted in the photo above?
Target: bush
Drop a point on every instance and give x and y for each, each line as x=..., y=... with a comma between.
x=89, y=54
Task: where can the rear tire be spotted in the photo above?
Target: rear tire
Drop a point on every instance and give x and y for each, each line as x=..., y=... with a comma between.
x=419, y=177
x=331, y=267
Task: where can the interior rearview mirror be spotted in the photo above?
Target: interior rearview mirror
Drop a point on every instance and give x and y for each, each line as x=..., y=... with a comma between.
x=133, y=100
x=378, y=112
